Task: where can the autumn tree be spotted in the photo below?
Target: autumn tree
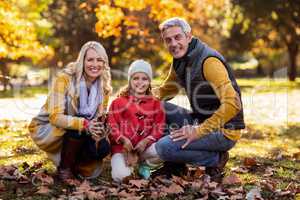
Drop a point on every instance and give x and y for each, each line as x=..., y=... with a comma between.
x=131, y=26
x=266, y=27
x=73, y=24
x=21, y=29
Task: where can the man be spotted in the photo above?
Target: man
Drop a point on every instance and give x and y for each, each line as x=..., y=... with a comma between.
x=204, y=135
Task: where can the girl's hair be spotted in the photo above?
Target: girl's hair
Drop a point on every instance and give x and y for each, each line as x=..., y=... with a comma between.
x=125, y=91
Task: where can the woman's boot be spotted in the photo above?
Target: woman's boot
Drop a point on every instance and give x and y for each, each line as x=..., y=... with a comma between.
x=70, y=149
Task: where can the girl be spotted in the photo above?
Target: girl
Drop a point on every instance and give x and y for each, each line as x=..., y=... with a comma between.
x=136, y=120
x=67, y=127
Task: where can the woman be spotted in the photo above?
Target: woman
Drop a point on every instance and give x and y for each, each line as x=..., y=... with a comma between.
x=67, y=127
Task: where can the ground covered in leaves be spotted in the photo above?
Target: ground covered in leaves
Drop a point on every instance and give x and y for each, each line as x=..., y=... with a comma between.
x=265, y=163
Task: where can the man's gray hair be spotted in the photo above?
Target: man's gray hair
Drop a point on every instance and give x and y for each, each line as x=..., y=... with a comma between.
x=175, y=21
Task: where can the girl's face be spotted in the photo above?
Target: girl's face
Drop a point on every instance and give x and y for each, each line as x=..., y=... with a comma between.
x=139, y=83
x=93, y=64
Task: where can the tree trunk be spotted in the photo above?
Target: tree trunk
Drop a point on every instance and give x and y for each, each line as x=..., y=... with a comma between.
x=292, y=70
x=4, y=71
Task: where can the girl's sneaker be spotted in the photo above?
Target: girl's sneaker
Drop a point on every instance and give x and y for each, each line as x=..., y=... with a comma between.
x=144, y=171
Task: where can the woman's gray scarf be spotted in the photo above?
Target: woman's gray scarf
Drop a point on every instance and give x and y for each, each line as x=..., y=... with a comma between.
x=89, y=102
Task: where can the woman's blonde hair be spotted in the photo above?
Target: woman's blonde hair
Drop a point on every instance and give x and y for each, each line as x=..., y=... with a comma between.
x=77, y=68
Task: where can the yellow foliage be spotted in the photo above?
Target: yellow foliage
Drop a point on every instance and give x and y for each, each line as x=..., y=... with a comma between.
x=18, y=37
x=111, y=17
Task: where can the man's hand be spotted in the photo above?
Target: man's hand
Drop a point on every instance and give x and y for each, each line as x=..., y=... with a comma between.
x=186, y=132
x=126, y=144
x=141, y=146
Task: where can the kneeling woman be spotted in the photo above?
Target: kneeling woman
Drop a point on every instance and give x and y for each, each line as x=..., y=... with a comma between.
x=68, y=128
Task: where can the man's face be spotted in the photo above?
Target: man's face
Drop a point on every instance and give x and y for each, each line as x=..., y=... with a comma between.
x=177, y=41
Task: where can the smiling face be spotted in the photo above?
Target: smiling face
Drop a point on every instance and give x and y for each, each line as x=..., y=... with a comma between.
x=176, y=41
x=139, y=83
x=93, y=65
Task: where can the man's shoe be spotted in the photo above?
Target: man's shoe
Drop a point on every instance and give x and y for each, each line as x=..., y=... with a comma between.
x=171, y=168
x=217, y=173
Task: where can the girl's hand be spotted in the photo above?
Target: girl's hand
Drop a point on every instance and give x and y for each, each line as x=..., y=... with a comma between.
x=131, y=159
x=141, y=146
x=126, y=144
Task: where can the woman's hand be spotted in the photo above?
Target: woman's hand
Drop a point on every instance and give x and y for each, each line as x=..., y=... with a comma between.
x=95, y=127
x=141, y=146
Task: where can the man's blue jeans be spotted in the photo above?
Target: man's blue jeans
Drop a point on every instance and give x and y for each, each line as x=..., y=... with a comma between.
x=202, y=152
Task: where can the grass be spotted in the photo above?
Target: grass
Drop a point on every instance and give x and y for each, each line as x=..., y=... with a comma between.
x=24, y=92
x=271, y=145
x=265, y=85
x=260, y=85
x=275, y=151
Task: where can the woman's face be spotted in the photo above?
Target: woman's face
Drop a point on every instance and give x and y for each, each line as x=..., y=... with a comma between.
x=139, y=83
x=93, y=64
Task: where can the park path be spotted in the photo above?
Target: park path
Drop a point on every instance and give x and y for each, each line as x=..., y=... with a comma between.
x=264, y=108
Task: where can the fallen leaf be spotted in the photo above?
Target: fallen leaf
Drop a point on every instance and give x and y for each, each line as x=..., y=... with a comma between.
x=155, y=195
x=277, y=153
x=139, y=183
x=254, y=194
x=223, y=197
x=2, y=186
x=125, y=194
x=240, y=170
x=43, y=190
x=113, y=191
x=95, y=195
x=269, y=172
x=19, y=192
x=180, y=181
x=296, y=155
x=203, y=198
x=269, y=185
x=233, y=191
x=44, y=178
x=249, y=162
x=199, y=171
x=232, y=179
x=164, y=180
x=6, y=172
x=73, y=182
x=84, y=186
x=282, y=193
x=237, y=197
x=212, y=185
x=196, y=185
x=173, y=189
x=219, y=193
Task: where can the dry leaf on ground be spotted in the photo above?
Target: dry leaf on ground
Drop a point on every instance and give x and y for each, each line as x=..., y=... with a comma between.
x=173, y=189
x=43, y=190
x=232, y=179
x=249, y=162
